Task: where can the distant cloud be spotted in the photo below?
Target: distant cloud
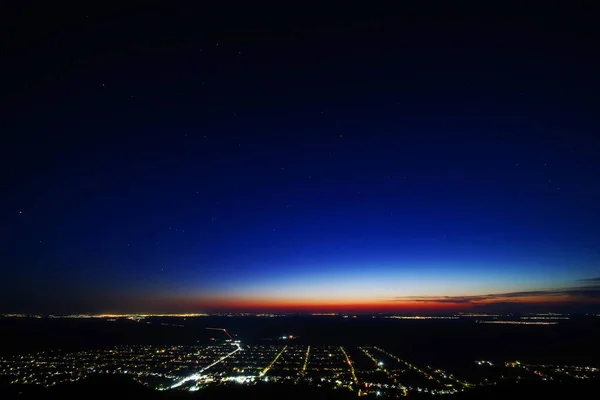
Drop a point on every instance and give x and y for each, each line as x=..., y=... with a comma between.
x=590, y=280
x=589, y=289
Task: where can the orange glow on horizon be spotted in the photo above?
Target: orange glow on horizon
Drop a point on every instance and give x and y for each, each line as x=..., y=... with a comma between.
x=426, y=304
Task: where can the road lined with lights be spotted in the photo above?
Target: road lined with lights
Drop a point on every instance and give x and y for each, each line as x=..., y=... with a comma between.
x=264, y=371
x=306, y=361
x=354, y=378
x=198, y=375
x=380, y=365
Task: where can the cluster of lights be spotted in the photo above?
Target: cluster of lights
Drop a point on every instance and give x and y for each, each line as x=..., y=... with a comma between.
x=480, y=315
x=129, y=316
x=140, y=315
x=548, y=314
x=414, y=368
x=546, y=372
x=262, y=315
x=516, y=322
x=420, y=317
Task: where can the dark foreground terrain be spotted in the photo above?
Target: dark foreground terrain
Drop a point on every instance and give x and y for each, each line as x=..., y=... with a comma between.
x=446, y=343
x=99, y=387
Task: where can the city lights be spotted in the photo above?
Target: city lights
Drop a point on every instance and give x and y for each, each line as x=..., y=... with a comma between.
x=191, y=368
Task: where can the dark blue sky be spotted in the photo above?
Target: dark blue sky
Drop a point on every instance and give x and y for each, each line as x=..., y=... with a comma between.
x=190, y=159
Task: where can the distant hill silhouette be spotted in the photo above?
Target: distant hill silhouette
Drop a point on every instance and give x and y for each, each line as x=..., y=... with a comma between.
x=109, y=387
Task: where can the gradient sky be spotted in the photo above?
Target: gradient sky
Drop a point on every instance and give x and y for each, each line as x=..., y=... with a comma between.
x=190, y=159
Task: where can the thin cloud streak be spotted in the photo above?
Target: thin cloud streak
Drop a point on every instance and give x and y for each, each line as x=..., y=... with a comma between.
x=591, y=291
x=590, y=280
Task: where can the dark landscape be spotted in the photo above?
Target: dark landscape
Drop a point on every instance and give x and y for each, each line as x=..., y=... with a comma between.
x=278, y=355
x=444, y=342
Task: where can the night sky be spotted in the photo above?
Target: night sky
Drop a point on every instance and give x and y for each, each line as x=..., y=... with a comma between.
x=190, y=159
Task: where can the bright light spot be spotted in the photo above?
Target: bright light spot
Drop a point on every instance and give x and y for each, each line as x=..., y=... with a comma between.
x=380, y=363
